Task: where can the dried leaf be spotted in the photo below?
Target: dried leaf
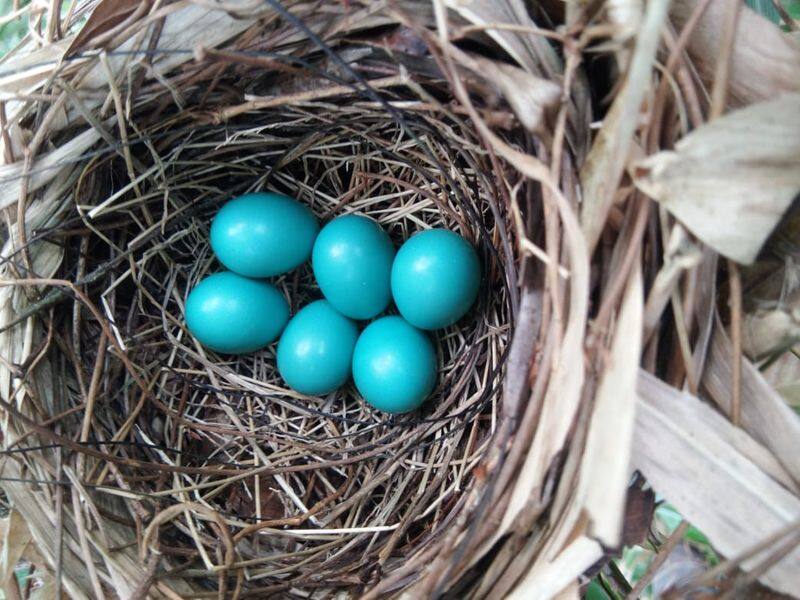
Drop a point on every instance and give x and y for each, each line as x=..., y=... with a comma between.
x=26, y=70
x=107, y=15
x=528, y=95
x=784, y=376
x=765, y=332
x=731, y=180
x=606, y=462
x=765, y=416
x=639, y=508
x=765, y=61
x=15, y=539
x=605, y=164
x=533, y=53
x=680, y=441
x=626, y=15
x=549, y=579
x=681, y=254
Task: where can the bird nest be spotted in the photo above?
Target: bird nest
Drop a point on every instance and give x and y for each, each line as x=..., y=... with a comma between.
x=281, y=491
x=167, y=470
x=315, y=489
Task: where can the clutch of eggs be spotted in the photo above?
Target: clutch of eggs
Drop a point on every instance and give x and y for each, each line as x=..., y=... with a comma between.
x=433, y=280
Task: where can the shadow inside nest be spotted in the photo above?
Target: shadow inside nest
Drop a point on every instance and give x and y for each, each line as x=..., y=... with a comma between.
x=341, y=465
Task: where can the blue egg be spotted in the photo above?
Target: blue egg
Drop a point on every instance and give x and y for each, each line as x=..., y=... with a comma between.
x=435, y=278
x=352, y=260
x=316, y=350
x=232, y=314
x=394, y=365
x=263, y=234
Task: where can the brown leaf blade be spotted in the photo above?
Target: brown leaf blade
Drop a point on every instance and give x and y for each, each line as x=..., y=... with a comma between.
x=731, y=180
x=104, y=17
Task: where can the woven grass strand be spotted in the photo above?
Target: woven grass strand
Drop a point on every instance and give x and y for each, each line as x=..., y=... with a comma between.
x=177, y=473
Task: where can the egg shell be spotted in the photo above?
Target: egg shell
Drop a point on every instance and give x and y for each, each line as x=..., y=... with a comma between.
x=352, y=261
x=394, y=365
x=315, y=352
x=435, y=278
x=232, y=314
x=263, y=234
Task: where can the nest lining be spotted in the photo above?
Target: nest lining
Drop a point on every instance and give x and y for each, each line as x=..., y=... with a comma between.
x=377, y=485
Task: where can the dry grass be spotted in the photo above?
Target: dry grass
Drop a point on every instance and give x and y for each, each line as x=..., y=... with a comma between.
x=169, y=471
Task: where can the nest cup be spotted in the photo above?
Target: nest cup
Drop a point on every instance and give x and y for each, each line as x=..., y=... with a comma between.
x=209, y=465
x=362, y=471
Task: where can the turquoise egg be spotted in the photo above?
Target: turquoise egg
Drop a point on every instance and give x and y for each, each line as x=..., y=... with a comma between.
x=263, y=234
x=235, y=315
x=394, y=365
x=316, y=350
x=352, y=261
x=435, y=278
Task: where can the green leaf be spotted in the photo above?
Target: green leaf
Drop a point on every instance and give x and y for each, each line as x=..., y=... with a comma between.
x=765, y=8
x=595, y=591
x=669, y=517
x=792, y=7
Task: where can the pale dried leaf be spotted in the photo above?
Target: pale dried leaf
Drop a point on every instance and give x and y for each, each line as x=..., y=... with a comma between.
x=605, y=471
x=25, y=72
x=681, y=254
x=528, y=95
x=764, y=414
x=603, y=169
x=784, y=376
x=571, y=592
x=16, y=537
x=765, y=332
x=765, y=61
x=680, y=441
x=549, y=579
x=731, y=180
x=533, y=53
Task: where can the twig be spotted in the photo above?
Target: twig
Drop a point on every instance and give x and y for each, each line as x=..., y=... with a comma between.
x=661, y=556
x=711, y=575
x=722, y=71
x=735, y=281
x=59, y=527
x=790, y=22
x=719, y=94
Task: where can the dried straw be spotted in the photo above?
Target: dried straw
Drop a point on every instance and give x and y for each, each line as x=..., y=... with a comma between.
x=170, y=471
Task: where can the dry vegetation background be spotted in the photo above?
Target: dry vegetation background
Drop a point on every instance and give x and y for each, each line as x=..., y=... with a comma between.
x=645, y=162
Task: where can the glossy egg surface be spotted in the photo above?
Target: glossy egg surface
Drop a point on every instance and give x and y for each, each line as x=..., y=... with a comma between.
x=315, y=352
x=394, y=365
x=352, y=261
x=435, y=278
x=263, y=234
x=232, y=314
